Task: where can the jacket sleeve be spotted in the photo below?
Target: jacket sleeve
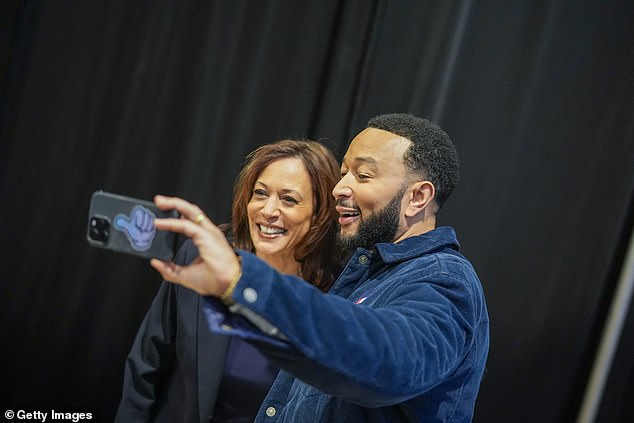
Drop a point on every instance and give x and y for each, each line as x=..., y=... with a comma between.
x=151, y=357
x=371, y=356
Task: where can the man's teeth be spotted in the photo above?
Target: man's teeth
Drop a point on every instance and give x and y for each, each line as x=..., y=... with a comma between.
x=270, y=230
x=348, y=214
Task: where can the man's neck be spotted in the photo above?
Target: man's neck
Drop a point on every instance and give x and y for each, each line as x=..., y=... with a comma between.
x=418, y=228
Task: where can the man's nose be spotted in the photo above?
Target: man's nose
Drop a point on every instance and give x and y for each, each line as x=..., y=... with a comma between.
x=343, y=187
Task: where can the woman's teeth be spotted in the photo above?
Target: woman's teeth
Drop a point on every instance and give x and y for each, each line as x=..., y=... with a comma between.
x=268, y=230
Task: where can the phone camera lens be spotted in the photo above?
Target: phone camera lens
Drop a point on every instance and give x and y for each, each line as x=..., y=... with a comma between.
x=99, y=229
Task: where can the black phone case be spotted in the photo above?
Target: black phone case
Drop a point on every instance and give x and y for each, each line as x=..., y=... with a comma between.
x=126, y=225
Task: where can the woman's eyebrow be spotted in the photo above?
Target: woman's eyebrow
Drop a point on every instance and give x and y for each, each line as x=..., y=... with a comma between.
x=292, y=191
x=284, y=191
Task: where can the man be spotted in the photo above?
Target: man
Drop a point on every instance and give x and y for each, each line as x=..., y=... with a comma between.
x=403, y=335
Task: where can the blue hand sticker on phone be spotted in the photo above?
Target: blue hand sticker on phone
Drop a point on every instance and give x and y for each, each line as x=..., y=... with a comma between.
x=138, y=227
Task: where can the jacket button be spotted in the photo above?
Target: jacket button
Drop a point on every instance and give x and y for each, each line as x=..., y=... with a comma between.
x=250, y=295
x=363, y=259
x=270, y=411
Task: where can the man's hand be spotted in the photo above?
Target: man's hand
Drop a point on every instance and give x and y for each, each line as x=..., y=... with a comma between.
x=217, y=264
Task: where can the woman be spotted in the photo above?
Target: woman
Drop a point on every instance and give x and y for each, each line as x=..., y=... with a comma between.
x=178, y=370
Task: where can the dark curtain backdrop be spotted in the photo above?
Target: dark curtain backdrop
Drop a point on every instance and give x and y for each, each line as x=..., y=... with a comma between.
x=141, y=97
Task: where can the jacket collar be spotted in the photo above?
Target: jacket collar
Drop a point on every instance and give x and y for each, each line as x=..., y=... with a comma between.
x=415, y=246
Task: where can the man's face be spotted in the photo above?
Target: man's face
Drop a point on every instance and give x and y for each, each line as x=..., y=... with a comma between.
x=369, y=196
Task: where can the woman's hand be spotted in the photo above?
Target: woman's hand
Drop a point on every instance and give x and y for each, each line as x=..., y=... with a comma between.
x=217, y=265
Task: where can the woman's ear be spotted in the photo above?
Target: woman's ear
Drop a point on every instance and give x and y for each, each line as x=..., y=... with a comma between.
x=422, y=194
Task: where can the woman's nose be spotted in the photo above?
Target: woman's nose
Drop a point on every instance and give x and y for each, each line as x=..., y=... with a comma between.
x=271, y=207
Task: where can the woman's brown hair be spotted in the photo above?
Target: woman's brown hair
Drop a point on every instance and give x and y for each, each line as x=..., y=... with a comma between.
x=317, y=251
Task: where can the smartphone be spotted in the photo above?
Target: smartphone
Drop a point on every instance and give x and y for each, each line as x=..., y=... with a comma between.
x=126, y=225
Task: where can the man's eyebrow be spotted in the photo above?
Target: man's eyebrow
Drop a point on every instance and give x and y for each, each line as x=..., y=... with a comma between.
x=366, y=159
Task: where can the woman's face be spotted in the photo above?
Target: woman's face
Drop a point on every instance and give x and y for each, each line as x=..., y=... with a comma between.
x=281, y=209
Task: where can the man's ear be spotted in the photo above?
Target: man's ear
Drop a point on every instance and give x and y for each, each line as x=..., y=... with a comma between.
x=422, y=194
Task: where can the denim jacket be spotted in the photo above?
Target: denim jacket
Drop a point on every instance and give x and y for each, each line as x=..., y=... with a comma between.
x=402, y=336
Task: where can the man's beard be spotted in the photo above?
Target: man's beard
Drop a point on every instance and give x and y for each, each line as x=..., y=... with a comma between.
x=381, y=226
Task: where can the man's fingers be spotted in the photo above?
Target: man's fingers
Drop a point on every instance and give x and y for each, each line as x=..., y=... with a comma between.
x=187, y=276
x=168, y=270
x=181, y=226
x=215, y=252
x=197, y=232
x=185, y=208
x=172, y=272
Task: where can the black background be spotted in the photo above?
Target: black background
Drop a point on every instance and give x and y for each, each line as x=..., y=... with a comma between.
x=142, y=97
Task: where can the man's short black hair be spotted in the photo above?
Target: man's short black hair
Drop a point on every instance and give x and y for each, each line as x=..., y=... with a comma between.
x=432, y=155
